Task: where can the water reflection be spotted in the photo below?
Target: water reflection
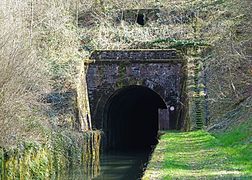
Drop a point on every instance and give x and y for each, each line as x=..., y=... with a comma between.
x=123, y=165
x=113, y=166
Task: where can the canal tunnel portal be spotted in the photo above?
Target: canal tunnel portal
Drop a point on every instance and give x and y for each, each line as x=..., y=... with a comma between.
x=135, y=93
x=131, y=118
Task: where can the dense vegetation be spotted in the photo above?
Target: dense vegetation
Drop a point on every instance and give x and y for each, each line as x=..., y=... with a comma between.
x=38, y=56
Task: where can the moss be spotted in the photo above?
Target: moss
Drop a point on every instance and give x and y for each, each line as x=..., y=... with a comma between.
x=195, y=87
x=122, y=74
x=30, y=160
x=181, y=43
x=1, y=163
x=27, y=161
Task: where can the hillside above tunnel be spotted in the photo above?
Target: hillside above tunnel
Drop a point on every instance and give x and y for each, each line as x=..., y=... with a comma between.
x=74, y=73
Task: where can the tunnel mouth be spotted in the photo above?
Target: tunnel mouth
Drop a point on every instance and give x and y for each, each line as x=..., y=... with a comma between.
x=131, y=119
x=141, y=20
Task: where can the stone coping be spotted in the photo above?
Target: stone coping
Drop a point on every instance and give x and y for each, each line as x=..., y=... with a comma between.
x=135, y=55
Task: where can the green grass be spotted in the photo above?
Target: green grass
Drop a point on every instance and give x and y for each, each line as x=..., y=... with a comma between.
x=201, y=155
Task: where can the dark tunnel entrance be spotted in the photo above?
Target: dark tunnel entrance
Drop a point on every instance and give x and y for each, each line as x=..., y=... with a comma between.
x=131, y=118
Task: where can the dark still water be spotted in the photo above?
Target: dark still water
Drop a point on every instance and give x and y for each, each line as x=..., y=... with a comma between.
x=123, y=165
x=114, y=166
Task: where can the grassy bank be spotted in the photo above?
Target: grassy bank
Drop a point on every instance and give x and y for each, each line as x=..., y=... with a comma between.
x=201, y=155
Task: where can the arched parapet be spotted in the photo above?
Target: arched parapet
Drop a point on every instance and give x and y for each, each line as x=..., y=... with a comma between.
x=159, y=70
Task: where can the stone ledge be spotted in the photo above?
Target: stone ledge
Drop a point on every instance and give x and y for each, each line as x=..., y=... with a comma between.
x=134, y=55
x=148, y=61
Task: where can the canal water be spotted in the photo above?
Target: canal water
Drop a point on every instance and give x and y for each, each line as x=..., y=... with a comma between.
x=114, y=166
x=123, y=165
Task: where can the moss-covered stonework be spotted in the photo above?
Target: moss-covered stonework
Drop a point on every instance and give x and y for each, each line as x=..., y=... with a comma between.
x=195, y=88
x=164, y=71
x=160, y=70
x=84, y=117
x=66, y=150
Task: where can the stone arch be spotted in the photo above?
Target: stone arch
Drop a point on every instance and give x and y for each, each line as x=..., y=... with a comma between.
x=130, y=118
x=162, y=71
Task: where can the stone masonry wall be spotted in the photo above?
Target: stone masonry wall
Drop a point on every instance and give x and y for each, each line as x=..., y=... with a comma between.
x=159, y=70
